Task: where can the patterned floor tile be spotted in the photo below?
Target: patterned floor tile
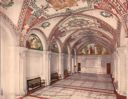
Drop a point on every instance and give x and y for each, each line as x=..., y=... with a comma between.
x=79, y=86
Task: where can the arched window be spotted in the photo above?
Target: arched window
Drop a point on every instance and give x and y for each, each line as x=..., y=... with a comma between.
x=34, y=42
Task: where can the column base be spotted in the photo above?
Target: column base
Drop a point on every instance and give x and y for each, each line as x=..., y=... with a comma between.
x=47, y=83
x=120, y=96
x=9, y=96
x=61, y=76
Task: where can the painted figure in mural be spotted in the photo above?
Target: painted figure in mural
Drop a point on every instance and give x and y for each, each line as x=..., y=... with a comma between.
x=34, y=43
x=54, y=47
x=93, y=49
x=60, y=4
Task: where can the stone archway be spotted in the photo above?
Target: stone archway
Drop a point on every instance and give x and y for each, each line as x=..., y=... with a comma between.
x=42, y=68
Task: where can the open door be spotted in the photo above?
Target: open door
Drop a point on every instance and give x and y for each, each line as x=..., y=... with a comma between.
x=79, y=67
x=108, y=68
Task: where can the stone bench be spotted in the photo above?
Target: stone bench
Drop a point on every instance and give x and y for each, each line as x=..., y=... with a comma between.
x=34, y=84
x=54, y=77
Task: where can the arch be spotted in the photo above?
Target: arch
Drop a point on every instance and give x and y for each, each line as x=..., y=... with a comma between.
x=40, y=35
x=69, y=49
x=9, y=58
x=58, y=43
x=101, y=46
x=98, y=42
x=96, y=32
x=66, y=47
x=55, y=29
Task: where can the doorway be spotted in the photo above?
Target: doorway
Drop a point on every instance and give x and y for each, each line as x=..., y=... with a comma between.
x=108, y=68
x=79, y=67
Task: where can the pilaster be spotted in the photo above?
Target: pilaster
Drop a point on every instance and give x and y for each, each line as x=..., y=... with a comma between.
x=46, y=67
x=127, y=64
x=121, y=70
x=73, y=64
x=21, y=71
x=61, y=67
x=69, y=63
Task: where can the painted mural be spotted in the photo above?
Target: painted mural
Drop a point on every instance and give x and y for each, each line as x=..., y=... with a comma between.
x=93, y=49
x=34, y=42
x=54, y=47
x=65, y=50
x=60, y=4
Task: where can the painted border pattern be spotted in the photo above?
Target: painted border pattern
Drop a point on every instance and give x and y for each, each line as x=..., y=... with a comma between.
x=9, y=21
x=23, y=13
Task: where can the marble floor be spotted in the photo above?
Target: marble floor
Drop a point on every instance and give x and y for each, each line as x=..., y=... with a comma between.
x=78, y=86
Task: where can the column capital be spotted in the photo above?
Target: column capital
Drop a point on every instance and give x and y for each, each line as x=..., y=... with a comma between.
x=122, y=49
x=22, y=49
x=61, y=53
x=47, y=52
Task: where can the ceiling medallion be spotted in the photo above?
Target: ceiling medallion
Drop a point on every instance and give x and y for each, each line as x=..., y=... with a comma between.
x=105, y=14
x=78, y=22
x=45, y=25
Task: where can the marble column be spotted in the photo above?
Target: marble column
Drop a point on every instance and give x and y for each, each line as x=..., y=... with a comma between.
x=61, y=66
x=21, y=71
x=127, y=70
x=75, y=59
x=46, y=67
x=121, y=71
x=115, y=66
x=127, y=64
x=69, y=63
x=15, y=74
x=73, y=64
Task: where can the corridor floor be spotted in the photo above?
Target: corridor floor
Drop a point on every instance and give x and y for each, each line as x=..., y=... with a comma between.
x=78, y=86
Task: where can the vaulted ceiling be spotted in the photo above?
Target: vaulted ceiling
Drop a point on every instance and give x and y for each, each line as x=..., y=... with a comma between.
x=76, y=22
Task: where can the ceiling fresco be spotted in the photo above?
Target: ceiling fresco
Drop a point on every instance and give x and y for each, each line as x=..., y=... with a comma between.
x=79, y=25
x=77, y=22
x=80, y=28
x=73, y=21
x=56, y=7
x=89, y=35
x=6, y=3
x=39, y=10
x=61, y=4
x=53, y=7
x=93, y=39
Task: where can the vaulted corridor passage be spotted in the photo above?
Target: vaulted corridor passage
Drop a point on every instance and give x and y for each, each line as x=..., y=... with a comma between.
x=78, y=86
x=42, y=41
